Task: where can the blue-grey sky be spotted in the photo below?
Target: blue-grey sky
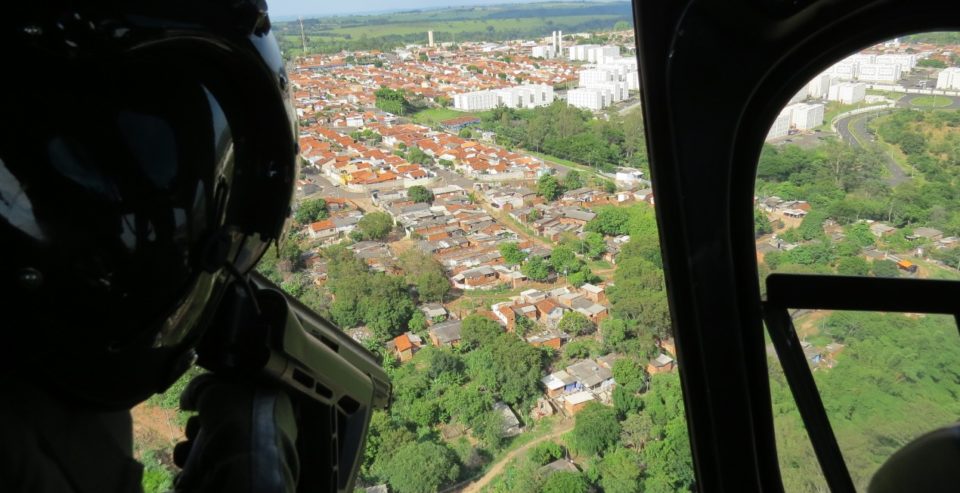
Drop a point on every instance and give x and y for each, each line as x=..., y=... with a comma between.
x=285, y=9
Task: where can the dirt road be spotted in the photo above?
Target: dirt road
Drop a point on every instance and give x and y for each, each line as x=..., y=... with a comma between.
x=494, y=471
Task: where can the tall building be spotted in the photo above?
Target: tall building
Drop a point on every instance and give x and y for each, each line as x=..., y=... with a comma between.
x=819, y=87
x=589, y=98
x=430, y=38
x=559, y=43
x=847, y=92
x=780, y=127
x=949, y=78
x=878, y=72
x=804, y=116
x=542, y=52
x=522, y=96
x=476, y=100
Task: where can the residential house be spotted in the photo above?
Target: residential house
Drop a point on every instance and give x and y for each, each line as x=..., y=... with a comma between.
x=405, y=345
x=880, y=230
x=559, y=465
x=559, y=383
x=660, y=364
x=510, y=424
x=930, y=234
x=575, y=403
x=549, y=312
x=434, y=312
x=551, y=339
x=590, y=375
x=446, y=334
x=596, y=294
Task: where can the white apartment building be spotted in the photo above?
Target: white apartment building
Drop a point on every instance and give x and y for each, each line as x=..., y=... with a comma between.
x=804, y=116
x=526, y=96
x=543, y=52
x=622, y=68
x=873, y=68
x=949, y=78
x=590, y=76
x=579, y=52
x=591, y=99
x=843, y=70
x=593, y=53
x=877, y=72
x=847, y=92
x=819, y=87
x=780, y=127
x=616, y=89
x=522, y=96
x=906, y=61
x=476, y=101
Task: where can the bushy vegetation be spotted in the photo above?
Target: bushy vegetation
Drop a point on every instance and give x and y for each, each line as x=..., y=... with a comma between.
x=572, y=134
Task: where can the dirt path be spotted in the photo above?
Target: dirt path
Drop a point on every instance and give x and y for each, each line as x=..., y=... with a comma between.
x=476, y=486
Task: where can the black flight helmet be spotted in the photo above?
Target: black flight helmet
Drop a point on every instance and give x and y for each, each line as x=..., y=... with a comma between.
x=147, y=158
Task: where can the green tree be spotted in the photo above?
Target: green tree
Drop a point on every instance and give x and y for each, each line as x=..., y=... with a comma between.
x=418, y=193
x=761, y=223
x=509, y=366
x=421, y=467
x=391, y=101
x=885, y=268
x=594, y=245
x=572, y=180
x=564, y=260
x=375, y=225
x=611, y=221
x=477, y=330
x=417, y=156
x=575, y=323
x=546, y=452
x=387, y=307
x=512, y=254
x=548, y=188
x=311, y=211
x=466, y=133
x=426, y=274
x=536, y=269
x=596, y=429
x=565, y=482
x=853, y=266
x=418, y=321
x=636, y=430
x=622, y=26
x=620, y=472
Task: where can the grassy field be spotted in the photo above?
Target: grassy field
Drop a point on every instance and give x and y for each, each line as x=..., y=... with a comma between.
x=931, y=102
x=565, y=162
x=433, y=116
x=445, y=31
x=887, y=94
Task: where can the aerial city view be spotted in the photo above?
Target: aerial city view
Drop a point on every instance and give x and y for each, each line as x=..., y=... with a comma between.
x=474, y=207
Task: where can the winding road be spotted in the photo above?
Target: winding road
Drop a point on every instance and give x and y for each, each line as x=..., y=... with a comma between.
x=495, y=470
x=907, y=101
x=853, y=129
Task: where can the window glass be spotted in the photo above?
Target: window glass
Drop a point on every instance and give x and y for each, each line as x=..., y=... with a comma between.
x=474, y=207
x=858, y=176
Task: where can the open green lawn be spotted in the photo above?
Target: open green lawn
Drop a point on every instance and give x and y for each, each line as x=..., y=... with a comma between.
x=931, y=102
x=433, y=116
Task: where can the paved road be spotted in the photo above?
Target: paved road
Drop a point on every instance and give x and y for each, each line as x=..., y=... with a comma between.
x=853, y=129
x=907, y=101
